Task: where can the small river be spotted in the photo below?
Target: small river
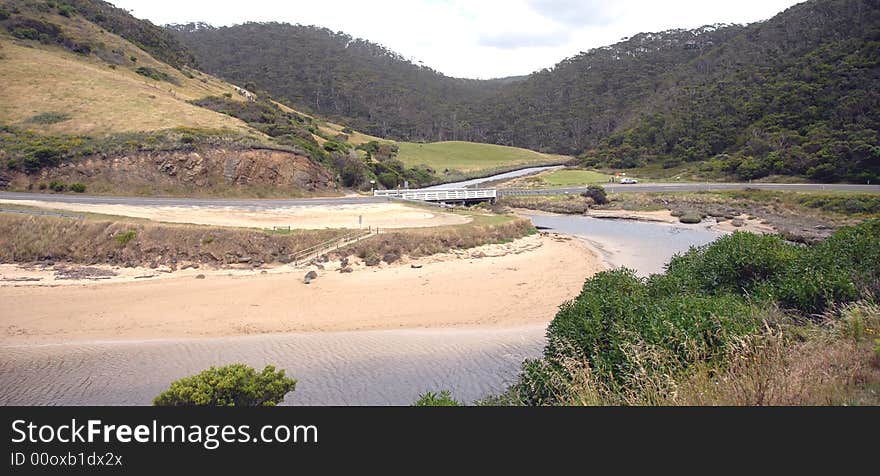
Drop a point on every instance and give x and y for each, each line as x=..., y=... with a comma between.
x=336, y=368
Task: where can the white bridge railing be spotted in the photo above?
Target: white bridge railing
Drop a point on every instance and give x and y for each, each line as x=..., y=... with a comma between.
x=440, y=195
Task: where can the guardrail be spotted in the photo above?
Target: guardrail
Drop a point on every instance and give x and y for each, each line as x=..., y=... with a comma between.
x=315, y=251
x=521, y=192
x=439, y=195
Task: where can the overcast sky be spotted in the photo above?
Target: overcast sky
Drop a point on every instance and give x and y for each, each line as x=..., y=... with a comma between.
x=471, y=38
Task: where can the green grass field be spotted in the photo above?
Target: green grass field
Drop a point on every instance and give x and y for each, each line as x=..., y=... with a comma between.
x=470, y=157
x=571, y=177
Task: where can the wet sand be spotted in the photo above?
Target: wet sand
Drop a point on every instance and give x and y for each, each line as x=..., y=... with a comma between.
x=382, y=215
x=389, y=367
x=520, y=283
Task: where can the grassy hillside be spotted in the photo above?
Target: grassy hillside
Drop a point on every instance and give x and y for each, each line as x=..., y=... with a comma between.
x=85, y=109
x=85, y=82
x=55, y=92
x=471, y=157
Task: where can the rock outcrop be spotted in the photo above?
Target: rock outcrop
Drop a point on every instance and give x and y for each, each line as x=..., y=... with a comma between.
x=203, y=170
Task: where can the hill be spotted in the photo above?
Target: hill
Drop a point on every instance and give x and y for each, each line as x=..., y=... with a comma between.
x=460, y=158
x=94, y=99
x=794, y=95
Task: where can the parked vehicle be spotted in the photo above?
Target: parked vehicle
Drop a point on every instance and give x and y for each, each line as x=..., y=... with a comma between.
x=627, y=180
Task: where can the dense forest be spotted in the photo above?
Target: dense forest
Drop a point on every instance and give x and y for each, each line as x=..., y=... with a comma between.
x=794, y=95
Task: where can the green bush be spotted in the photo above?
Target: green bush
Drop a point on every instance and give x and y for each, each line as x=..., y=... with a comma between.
x=57, y=186
x=597, y=193
x=431, y=399
x=388, y=179
x=49, y=118
x=124, y=238
x=734, y=263
x=23, y=33
x=155, y=74
x=77, y=187
x=233, y=385
x=4, y=15
x=66, y=11
x=627, y=330
x=618, y=316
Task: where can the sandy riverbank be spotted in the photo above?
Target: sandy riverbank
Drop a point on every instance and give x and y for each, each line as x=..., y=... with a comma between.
x=382, y=215
x=494, y=285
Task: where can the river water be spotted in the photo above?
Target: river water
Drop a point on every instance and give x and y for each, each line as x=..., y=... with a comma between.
x=338, y=368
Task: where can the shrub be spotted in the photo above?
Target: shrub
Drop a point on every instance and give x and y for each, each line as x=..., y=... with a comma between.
x=66, y=11
x=49, y=118
x=617, y=320
x=57, y=186
x=233, y=385
x=388, y=179
x=155, y=74
x=4, y=15
x=77, y=187
x=597, y=193
x=626, y=332
x=124, y=238
x=431, y=399
x=734, y=263
x=25, y=33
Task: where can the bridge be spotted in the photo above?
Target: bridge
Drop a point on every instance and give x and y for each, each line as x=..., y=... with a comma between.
x=457, y=195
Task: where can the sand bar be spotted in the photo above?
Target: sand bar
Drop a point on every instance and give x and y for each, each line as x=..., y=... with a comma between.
x=518, y=283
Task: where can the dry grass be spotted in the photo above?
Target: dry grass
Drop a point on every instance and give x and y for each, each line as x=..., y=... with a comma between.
x=428, y=241
x=570, y=204
x=26, y=238
x=837, y=363
x=100, y=100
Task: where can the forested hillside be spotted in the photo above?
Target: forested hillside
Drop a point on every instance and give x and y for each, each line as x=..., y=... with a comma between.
x=795, y=95
x=335, y=75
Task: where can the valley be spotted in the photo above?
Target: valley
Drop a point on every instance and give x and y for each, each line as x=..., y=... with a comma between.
x=182, y=196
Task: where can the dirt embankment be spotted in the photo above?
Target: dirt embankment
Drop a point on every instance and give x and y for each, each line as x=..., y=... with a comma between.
x=46, y=239
x=29, y=239
x=204, y=171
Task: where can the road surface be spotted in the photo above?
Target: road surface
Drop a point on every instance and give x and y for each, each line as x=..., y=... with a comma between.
x=252, y=203
x=255, y=203
x=697, y=187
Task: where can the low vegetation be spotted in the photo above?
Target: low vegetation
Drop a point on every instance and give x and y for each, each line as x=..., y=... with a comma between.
x=235, y=385
x=569, y=204
x=29, y=151
x=29, y=238
x=442, y=399
x=730, y=316
x=390, y=246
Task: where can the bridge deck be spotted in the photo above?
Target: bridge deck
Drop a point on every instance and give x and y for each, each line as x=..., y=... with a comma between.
x=441, y=195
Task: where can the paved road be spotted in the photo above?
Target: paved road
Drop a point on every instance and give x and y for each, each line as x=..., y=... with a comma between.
x=299, y=202
x=189, y=202
x=697, y=187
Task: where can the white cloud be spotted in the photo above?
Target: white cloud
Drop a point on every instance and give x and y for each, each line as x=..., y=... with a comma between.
x=472, y=38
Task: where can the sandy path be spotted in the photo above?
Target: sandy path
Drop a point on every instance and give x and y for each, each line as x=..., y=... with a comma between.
x=524, y=284
x=382, y=215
